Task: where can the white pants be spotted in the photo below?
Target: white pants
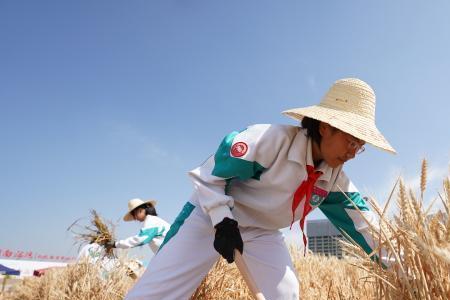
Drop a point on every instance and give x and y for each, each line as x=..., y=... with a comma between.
x=179, y=267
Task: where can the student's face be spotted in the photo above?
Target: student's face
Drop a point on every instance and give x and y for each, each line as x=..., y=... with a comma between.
x=139, y=214
x=338, y=147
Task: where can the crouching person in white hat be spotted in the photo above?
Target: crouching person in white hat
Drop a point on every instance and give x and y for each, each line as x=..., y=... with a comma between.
x=153, y=231
x=262, y=179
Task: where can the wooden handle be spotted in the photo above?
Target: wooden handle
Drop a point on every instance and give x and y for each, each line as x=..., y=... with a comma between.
x=240, y=263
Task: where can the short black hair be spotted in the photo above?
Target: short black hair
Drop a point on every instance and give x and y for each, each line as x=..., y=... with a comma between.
x=312, y=129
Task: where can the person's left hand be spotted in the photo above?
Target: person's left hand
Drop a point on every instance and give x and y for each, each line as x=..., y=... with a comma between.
x=110, y=245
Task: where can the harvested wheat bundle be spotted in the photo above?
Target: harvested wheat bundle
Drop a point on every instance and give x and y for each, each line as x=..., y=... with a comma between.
x=98, y=231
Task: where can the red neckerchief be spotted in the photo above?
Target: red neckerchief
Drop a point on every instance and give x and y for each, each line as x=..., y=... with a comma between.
x=305, y=191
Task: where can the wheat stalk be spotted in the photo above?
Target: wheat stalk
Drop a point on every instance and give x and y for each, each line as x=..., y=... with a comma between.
x=97, y=232
x=423, y=178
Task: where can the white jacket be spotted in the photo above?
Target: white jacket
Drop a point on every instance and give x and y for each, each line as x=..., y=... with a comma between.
x=153, y=232
x=254, y=174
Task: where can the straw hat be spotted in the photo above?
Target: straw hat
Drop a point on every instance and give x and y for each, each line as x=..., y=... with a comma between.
x=132, y=204
x=349, y=105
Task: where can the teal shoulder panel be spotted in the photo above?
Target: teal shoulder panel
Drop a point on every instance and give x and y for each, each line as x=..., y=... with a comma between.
x=179, y=221
x=341, y=198
x=227, y=166
x=150, y=234
x=334, y=207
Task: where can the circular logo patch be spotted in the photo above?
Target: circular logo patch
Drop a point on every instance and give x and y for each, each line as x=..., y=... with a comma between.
x=315, y=200
x=239, y=149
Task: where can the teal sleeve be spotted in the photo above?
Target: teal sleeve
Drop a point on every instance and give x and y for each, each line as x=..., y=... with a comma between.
x=229, y=167
x=339, y=210
x=150, y=234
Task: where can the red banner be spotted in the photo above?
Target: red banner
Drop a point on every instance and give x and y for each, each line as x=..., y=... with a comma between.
x=32, y=255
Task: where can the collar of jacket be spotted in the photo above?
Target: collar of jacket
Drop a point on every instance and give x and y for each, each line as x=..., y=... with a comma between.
x=300, y=152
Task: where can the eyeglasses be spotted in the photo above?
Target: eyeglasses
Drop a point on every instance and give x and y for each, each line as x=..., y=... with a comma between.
x=352, y=144
x=355, y=146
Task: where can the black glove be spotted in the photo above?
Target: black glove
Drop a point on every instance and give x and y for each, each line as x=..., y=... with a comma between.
x=110, y=244
x=227, y=239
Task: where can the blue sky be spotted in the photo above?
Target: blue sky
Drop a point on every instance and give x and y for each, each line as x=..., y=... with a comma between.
x=103, y=101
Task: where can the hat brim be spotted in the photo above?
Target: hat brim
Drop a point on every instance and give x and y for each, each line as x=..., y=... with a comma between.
x=129, y=217
x=353, y=124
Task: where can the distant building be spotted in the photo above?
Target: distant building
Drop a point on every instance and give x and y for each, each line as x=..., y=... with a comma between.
x=323, y=238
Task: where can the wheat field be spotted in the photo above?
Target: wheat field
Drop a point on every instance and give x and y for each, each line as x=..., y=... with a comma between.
x=417, y=242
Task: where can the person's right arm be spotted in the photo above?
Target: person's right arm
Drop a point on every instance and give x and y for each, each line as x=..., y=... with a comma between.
x=144, y=236
x=241, y=156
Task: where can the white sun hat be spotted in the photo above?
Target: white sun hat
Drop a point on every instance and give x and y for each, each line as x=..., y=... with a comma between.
x=132, y=204
x=349, y=105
